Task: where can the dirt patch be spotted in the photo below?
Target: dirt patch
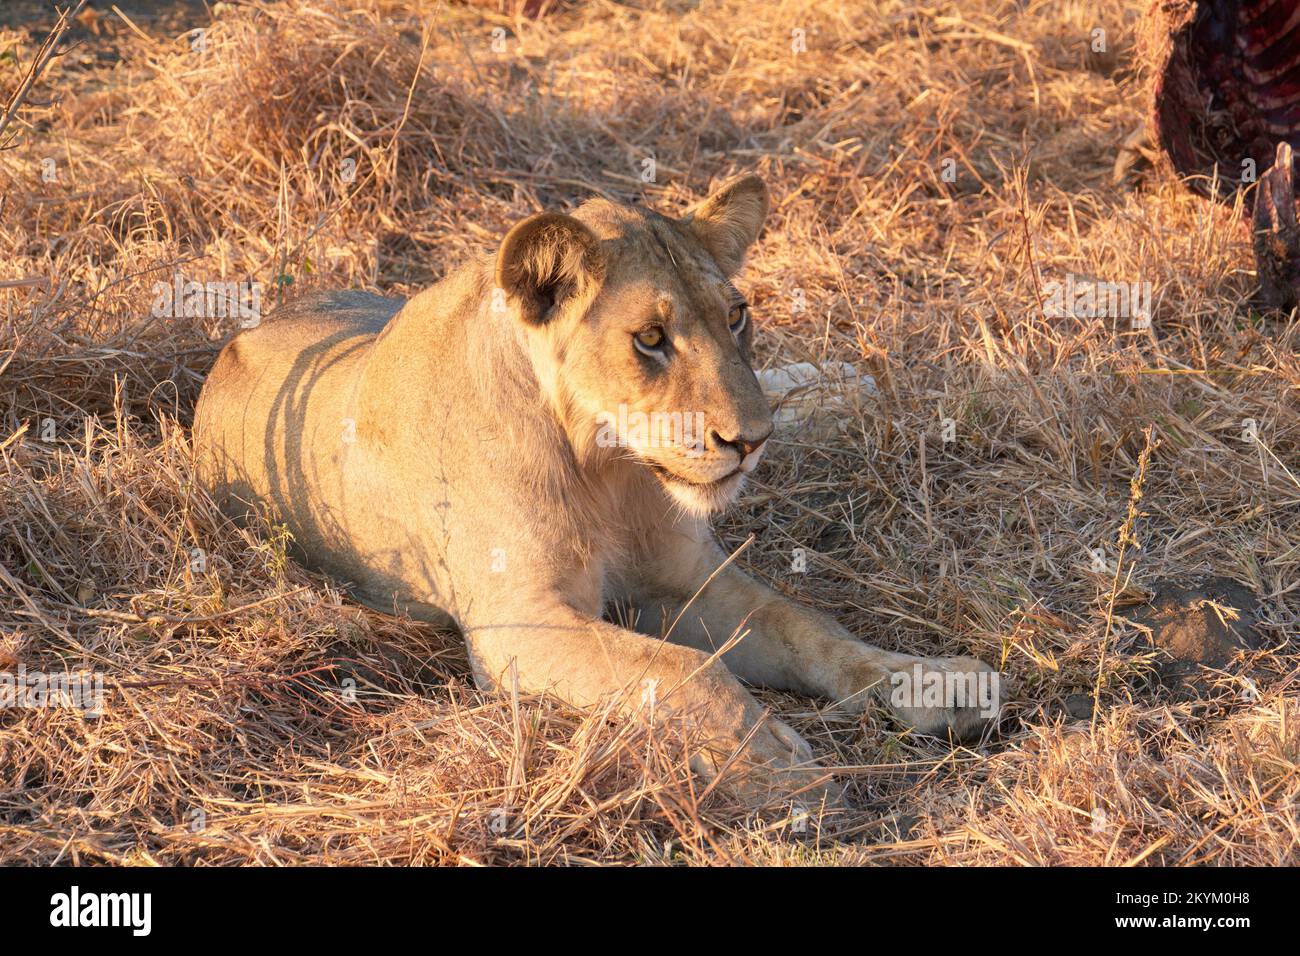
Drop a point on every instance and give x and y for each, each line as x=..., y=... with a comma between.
x=1203, y=625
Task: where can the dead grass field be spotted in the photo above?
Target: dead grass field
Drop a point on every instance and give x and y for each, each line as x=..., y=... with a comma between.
x=226, y=737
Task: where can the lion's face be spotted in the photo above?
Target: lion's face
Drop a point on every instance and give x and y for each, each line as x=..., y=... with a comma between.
x=644, y=339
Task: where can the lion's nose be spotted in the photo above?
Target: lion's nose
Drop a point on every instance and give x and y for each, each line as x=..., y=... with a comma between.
x=745, y=446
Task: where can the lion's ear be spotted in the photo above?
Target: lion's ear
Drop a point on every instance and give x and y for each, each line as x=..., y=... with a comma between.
x=728, y=222
x=545, y=260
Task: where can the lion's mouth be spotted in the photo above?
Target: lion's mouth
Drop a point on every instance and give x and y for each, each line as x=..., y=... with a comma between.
x=672, y=476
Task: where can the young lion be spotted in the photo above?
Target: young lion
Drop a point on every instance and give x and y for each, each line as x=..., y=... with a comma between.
x=541, y=433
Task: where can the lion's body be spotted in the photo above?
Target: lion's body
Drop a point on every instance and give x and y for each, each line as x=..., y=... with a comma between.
x=440, y=457
x=377, y=431
x=361, y=433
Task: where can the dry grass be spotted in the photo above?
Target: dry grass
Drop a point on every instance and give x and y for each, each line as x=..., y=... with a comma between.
x=226, y=701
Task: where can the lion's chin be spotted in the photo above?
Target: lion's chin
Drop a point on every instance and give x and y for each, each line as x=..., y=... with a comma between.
x=702, y=499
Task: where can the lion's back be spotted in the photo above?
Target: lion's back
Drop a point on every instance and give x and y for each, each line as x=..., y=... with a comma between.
x=269, y=388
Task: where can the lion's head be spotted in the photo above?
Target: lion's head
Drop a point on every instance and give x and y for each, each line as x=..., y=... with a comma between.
x=640, y=338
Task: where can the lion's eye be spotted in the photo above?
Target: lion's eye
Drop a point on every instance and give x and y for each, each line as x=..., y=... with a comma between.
x=737, y=318
x=649, y=340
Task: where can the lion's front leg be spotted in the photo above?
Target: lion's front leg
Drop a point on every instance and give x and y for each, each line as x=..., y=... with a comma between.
x=551, y=648
x=790, y=647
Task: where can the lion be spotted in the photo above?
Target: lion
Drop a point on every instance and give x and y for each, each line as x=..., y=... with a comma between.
x=541, y=436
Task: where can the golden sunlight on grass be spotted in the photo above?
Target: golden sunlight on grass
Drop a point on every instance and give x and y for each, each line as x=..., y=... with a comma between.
x=936, y=170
